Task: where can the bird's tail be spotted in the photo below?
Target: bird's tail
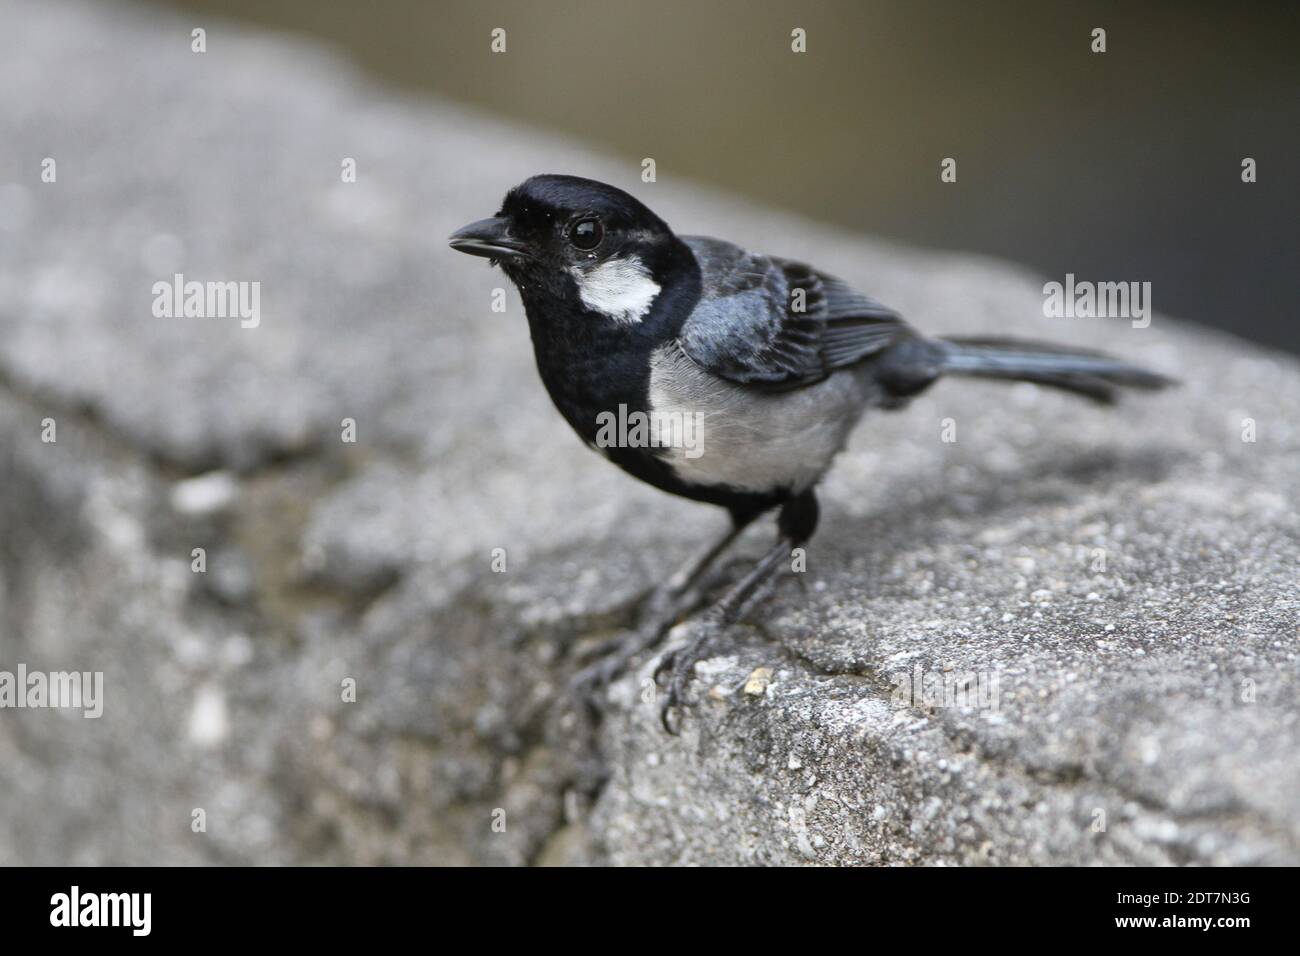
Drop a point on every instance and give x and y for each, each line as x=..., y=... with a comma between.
x=1094, y=375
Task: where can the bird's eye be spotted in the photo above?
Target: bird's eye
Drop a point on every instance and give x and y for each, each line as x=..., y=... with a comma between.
x=587, y=233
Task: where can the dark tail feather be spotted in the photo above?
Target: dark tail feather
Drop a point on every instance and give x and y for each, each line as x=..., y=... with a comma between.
x=1094, y=375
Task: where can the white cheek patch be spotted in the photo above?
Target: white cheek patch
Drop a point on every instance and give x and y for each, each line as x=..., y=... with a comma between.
x=620, y=289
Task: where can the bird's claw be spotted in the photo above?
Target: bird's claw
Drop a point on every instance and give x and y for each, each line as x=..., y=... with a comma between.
x=592, y=681
x=674, y=697
x=679, y=665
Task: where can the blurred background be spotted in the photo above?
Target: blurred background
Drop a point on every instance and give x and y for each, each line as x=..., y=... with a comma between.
x=1117, y=166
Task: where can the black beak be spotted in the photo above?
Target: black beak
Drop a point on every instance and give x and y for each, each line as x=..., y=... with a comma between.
x=489, y=238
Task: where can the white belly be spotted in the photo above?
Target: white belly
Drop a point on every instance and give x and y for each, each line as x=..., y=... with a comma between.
x=748, y=439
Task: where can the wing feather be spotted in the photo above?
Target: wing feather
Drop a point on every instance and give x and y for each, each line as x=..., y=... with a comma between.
x=778, y=324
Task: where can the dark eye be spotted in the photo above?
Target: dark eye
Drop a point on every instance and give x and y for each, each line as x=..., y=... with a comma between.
x=587, y=233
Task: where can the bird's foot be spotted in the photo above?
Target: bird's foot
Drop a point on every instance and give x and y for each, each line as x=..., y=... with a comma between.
x=663, y=608
x=679, y=666
x=591, y=682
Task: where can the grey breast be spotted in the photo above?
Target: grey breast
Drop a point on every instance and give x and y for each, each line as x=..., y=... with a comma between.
x=750, y=439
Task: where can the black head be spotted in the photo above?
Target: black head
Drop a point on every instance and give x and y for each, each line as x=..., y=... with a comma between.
x=568, y=237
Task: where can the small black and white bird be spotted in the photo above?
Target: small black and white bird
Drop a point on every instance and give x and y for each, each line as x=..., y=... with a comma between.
x=776, y=360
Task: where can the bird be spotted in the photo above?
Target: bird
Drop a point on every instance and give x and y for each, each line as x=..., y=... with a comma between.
x=774, y=360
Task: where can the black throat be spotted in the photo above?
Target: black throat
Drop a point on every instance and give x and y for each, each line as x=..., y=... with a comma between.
x=591, y=363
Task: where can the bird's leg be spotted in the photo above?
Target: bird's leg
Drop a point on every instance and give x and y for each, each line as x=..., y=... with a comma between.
x=680, y=663
x=659, y=612
x=796, y=523
x=666, y=601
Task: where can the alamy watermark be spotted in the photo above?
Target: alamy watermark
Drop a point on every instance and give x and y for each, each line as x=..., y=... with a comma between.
x=75, y=690
x=1098, y=300
x=958, y=690
x=208, y=300
x=133, y=911
x=637, y=429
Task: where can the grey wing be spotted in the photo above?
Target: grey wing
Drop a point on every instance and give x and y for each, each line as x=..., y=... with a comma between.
x=778, y=324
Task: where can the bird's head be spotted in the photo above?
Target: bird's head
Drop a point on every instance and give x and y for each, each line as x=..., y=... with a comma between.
x=570, y=238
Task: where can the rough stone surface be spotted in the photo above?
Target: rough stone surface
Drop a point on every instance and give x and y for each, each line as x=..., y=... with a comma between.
x=1128, y=577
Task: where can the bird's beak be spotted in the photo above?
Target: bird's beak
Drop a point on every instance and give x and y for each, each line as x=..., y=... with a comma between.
x=489, y=238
